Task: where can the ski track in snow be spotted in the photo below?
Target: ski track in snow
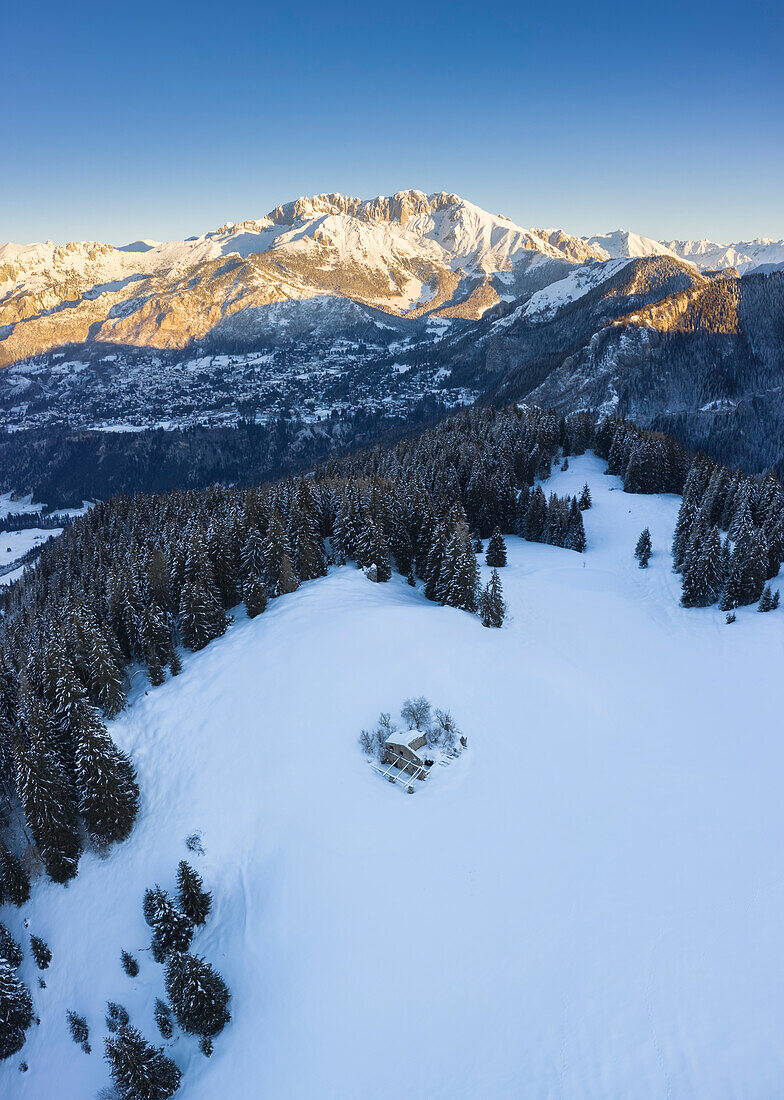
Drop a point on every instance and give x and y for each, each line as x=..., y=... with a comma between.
x=588, y=904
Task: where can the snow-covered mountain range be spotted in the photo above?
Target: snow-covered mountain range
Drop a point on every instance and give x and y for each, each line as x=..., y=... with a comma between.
x=410, y=254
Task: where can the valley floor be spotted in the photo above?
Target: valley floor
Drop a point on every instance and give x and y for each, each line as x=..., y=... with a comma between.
x=588, y=904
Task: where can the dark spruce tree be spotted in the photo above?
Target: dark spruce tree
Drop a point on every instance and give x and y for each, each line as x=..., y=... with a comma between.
x=14, y=880
x=254, y=594
x=48, y=806
x=575, y=533
x=152, y=903
x=10, y=950
x=77, y=1025
x=643, y=549
x=129, y=964
x=198, y=995
x=492, y=608
x=195, y=901
x=105, y=782
x=139, y=1070
x=116, y=1016
x=41, y=952
x=584, y=501
x=496, y=550
x=16, y=1011
x=202, y=617
x=163, y=1018
x=172, y=930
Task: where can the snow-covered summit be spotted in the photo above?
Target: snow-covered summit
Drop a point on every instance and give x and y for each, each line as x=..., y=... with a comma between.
x=622, y=243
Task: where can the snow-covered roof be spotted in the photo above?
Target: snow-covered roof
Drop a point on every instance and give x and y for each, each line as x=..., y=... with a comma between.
x=404, y=738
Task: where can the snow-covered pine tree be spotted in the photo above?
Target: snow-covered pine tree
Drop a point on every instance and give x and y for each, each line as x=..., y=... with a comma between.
x=198, y=995
x=202, y=617
x=279, y=574
x=10, y=950
x=584, y=501
x=492, y=608
x=47, y=802
x=163, y=1018
x=536, y=517
x=254, y=594
x=77, y=1025
x=152, y=902
x=683, y=527
x=496, y=550
x=575, y=533
x=14, y=880
x=194, y=900
x=41, y=952
x=642, y=550
x=172, y=931
x=460, y=574
x=16, y=1011
x=129, y=964
x=106, y=679
x=105, y=782
x=139, y=1070
x=766, y=600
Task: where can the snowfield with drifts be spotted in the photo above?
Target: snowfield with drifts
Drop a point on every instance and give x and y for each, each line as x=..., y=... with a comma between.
x=588, y=904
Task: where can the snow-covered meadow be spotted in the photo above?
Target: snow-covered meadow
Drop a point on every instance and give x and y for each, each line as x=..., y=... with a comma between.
x=587, y=905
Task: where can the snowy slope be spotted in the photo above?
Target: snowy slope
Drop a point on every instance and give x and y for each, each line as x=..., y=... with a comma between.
x=543, y=305
x=589, y=904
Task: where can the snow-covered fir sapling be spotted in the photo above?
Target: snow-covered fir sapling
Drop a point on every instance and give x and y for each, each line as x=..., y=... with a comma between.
x=80, y=1033
x=129, y=964
x=163, y=1018
x=584, y=502
x=774, y=603
x=139, y=1070
x=643, y=549
x=41, y=952
x=730, y=617
x=116, y=1016
x=10, y=950
x=565, y=463
x=16, y=1011
x=496, y=550
x=195, y=901
x=205, y=1046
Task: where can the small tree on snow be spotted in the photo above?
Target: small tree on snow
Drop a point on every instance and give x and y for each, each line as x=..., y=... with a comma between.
x=496, y=550
x=41, y=952
x=492, y=608
x=642, y=550
x=416, y=713
x=585, y=502
x=195, y=901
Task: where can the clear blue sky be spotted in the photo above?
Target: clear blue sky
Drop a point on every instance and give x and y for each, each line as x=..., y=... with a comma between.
x=166, y=119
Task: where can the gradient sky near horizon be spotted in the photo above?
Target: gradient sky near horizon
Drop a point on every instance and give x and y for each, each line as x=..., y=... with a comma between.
x=164, y=120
